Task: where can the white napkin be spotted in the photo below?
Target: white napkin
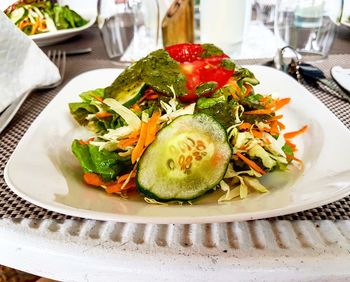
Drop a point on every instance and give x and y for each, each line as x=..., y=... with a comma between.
x=23, y=66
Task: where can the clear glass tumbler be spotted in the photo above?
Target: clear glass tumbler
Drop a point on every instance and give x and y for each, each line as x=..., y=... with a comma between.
x=308, y=26
x=129, y=28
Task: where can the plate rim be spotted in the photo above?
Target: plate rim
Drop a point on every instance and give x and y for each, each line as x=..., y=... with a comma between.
x=98, y=215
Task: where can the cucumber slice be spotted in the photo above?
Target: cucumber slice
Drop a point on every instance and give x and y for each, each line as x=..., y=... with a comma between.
x=188, y=158
x=18, y=15
x=131, y=94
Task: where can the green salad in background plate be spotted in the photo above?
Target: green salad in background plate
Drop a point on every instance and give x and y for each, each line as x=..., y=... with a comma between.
x=43, y=16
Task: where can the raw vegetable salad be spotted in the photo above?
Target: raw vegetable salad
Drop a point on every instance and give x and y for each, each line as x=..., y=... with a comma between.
x=180, y=122
x=42, y=16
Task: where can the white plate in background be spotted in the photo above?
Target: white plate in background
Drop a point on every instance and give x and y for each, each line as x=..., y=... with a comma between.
x=43, y=170
x=53, y=37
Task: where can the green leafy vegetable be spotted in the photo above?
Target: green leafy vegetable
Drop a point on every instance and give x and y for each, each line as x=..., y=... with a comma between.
x=211, y=50
x=105, y=163
x=206, y=88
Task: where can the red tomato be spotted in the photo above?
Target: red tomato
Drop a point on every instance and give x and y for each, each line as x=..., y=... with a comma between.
x=185, y=52
x=198, y=70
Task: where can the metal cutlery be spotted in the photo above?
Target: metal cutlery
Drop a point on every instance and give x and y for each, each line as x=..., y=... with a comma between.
x=338, y=88
x=315, y=76
x=59, y=59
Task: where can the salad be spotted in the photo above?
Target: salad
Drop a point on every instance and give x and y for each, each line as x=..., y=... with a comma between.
x=42, y=16
x=181, y=122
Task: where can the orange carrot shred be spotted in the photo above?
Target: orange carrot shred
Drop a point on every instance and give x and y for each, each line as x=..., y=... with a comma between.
x=291, y=145
x=270, y=105
x=117, y=188
x=249, y=89
x=152, y=128
x=236, y=88
x=245, y=125
x=82, y=142
x=136, y=153
x=274, y=130
x=259, y=112
x=123, y=177
x=264, y=99
x=136, y=108
x=98, y=98
x=250, y=163
x=93, y=179
x=103, y=114
x=127, y=142
x=257, y=133
x=135, y=134
x=292, y=134
x=281, y=103
x=281, y=125
x=276, y=117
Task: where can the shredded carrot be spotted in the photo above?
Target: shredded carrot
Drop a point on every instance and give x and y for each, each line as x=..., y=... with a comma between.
x=152, y=128
x=136, y=108
x=127, y=142
x=42, y=25
x=235, y=87
x=291, y=145
x=292, y=134
x=276, y=117
x=281, y=125
x=138, y=150
x=123, y=177
x=103, y=114
x=82, y=142
x=265, y=99
x=257, y=133
x=249, y=89
x=98, y=98
x=135, y=134
x=117, y=187
x=274, y=130
x=149, y=95
x=250, y=163
x=245, y=125
x=270, y=105
x=93, y=179
x=281, y=103
x=234, y=95
x=35, y=26
x=259, y=112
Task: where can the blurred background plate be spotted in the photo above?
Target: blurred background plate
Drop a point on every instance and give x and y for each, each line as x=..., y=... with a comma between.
x=49, y=38
x=87, y=9
x=346, y=14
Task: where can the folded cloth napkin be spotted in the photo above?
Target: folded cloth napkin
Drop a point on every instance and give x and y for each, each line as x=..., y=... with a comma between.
x=23, y=66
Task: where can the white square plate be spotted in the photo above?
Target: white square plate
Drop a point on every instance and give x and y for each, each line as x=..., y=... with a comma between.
x=43, y=170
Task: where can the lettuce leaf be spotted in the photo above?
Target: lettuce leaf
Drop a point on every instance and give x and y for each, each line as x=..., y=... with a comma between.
x=105, y=163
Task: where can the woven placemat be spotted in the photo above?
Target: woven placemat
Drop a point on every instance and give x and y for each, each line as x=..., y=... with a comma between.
x=12, y=206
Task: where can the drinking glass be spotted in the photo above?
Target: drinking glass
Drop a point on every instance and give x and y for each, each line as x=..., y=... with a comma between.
x=265, y=12
x=129, y=28
x=224, y=22
x=308, y=26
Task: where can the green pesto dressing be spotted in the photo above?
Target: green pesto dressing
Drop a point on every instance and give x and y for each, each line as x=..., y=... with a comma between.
x=157, y=70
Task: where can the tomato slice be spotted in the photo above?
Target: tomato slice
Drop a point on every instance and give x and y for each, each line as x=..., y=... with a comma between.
x=185, y=52
x=197, y=69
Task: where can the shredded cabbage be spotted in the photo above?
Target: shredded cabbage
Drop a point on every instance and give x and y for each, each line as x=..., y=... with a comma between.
x=129, y=116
